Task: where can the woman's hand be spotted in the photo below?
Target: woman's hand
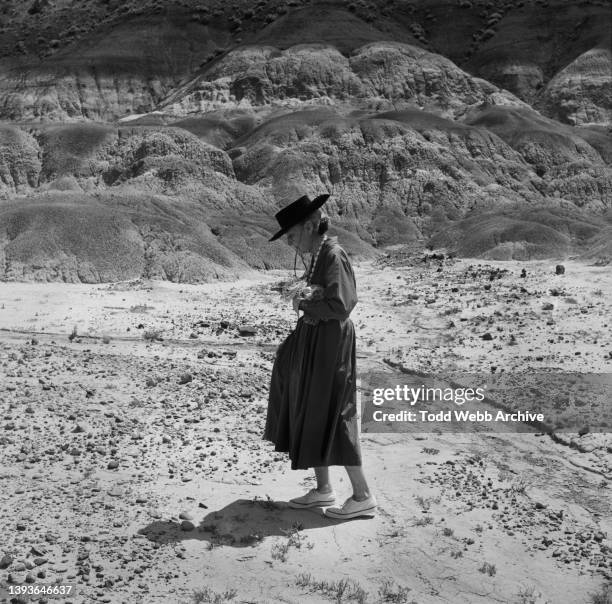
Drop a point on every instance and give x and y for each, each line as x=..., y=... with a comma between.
x=296, y=302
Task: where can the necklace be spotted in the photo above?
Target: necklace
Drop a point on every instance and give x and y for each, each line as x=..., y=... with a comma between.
x=314, y=260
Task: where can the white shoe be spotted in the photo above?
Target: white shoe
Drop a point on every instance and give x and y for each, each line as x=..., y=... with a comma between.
x=353, y=509
x=313, y=499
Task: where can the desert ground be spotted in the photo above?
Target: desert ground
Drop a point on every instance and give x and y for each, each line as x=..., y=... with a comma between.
x=133, y=467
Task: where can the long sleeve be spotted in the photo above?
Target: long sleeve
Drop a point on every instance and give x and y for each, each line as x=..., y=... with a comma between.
x=339, y=289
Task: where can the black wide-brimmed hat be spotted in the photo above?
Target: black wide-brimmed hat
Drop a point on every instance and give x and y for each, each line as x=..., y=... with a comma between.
x=297, y=211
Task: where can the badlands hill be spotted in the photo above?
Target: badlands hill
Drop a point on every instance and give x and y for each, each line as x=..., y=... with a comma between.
x=158, y=139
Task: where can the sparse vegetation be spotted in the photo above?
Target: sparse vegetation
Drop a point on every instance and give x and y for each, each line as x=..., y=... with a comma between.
x=139, y=308
x=268, y=503
x=529, y=595
x=153, y=336
x=391, y=592
x=344, y=590
x=294, y=539
x=208, y=596
x=430, y=451
x=425, y=502
x=518, y=486
x=423, y=521
x=488, y=569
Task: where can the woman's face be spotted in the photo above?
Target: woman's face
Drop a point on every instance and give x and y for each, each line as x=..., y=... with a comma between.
x=297, y=238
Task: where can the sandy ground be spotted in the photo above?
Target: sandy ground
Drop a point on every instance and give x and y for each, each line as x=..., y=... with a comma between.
x=133, y=468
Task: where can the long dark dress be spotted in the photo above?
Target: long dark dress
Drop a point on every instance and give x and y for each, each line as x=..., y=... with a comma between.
x=312, y=407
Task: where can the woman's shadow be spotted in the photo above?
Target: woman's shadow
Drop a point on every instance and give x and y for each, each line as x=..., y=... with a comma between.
x=242, y=523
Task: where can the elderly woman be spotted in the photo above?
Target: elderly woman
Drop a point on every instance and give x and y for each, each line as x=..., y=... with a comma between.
x=312, y=408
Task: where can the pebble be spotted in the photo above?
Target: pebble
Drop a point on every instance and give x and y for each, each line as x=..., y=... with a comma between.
x=185, y=378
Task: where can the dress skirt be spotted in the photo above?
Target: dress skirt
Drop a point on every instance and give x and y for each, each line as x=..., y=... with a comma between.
x=312, y=406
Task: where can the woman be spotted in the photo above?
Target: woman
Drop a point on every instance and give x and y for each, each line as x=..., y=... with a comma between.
x=312, y=408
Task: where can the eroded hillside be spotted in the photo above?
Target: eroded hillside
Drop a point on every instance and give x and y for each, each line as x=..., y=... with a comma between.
x=177, y=132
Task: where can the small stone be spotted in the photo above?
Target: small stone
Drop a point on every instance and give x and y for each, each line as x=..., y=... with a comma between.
x=185, y=378
x=487, y=336
x=559, y=269
x=247, y=330
x=112, y=465
x=5, y=561
x=185, y=516
x=187, y=525
x=16, y=578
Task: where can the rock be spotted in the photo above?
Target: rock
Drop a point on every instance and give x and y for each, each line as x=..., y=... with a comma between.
x=559, y=269
x=6, y=561
x=16, y=578
x=112, y=465
x=185, y=516
x=185, y=378
x=548, y=306
x=247, y=330
x=187, y=525
x=486, y=336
